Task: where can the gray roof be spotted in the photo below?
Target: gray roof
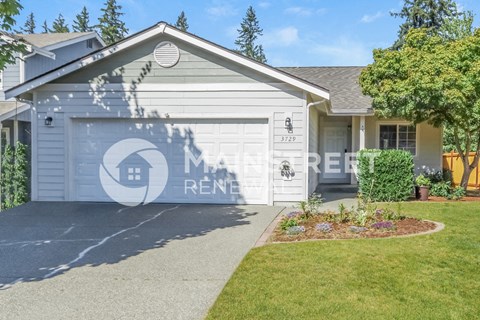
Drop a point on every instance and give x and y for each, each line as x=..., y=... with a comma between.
x=42, y=40
x=7, y=106
x=345, y=91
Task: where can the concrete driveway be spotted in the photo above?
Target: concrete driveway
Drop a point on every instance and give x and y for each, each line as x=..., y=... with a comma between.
x=105, y=261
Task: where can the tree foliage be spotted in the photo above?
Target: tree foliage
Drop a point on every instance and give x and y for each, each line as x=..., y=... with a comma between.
x=21, y=172
x=82, y=21
x=430, y=14
x=15, y=173
x=112, y=28
x=248, y=35
x=45, y=28
x=30, y=25
x=8, y=190
x=182, y=23
x=434, y=80
x=59, y=25
x=9, y=47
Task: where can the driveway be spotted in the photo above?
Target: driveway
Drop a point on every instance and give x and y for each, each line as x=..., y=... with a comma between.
x=105, y=261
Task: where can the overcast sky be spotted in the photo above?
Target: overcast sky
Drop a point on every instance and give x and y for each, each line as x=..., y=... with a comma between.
x=296, y=33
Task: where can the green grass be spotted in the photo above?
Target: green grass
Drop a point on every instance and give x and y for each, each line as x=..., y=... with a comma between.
x=426, y=277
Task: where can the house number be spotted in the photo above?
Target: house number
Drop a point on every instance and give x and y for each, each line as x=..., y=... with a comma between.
x=288, y=139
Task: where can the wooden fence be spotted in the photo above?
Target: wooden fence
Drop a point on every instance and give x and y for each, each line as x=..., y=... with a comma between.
x=453, y=162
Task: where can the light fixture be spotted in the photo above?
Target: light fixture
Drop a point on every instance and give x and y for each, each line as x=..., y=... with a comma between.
x=288, y=124
x=48, y=121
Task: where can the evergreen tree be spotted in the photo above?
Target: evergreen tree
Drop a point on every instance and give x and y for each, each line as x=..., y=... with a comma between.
x=82, y=21
x=248, y=34
x=30, y=25
x=59, y=25
x=424, y=14
x=112, y=28
x=45, y=28
x=182, y=23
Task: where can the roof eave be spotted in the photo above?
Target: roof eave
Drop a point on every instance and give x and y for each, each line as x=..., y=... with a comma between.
x=164, y=28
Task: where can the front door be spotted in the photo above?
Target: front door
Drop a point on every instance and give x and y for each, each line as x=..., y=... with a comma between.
x=335, y=142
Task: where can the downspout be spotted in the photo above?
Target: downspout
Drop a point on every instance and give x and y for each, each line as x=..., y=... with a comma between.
x=307, y=141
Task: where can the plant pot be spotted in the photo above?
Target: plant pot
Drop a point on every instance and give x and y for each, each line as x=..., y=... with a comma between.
x=424, y=191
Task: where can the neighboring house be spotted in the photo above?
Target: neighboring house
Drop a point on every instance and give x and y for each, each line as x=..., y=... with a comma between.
x=45, y=51
x=255, y=124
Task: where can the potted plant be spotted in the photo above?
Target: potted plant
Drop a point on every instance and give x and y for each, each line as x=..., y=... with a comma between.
x=423, y=184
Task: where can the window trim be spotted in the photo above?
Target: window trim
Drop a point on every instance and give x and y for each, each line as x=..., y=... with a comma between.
x=398, y=123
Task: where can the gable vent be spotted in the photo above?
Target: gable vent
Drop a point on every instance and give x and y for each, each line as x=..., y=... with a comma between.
x=166, y=54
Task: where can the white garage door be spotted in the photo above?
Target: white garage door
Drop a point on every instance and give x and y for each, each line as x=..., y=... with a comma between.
x=208, y=161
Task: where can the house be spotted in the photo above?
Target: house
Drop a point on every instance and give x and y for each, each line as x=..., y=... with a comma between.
x=232, y=130
x=45, y=52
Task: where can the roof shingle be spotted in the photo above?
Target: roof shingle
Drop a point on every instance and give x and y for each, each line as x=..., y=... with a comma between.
x=345, y=91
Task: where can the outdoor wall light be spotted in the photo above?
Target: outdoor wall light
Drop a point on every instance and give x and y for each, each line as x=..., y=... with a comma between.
x=48, y=121
x=288, y=124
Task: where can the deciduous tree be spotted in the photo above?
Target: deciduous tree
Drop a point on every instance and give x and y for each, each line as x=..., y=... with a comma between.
x=9, y=47
x=434, y=80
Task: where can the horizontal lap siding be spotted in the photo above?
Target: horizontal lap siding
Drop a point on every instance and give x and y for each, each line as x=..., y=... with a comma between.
x=136, y=67
x=275, y=104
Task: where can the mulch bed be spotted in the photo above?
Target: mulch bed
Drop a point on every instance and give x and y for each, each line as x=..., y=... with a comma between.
x=404, y=227
x=464, y=199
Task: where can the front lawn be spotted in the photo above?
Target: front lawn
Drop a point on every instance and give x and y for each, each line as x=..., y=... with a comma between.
x=425, y=277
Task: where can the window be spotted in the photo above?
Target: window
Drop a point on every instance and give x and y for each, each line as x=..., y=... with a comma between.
x=90, y=43
x=398, y=136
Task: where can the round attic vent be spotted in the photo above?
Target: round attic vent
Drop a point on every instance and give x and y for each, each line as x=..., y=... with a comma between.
x=166, y=54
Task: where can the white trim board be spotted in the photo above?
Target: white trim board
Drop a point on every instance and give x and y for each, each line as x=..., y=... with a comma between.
x=398, y=123
x=163, y=28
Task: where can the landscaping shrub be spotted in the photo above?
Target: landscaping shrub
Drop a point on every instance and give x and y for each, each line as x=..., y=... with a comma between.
x=385, y=175
x=441, y=189
x=458, y=193
x=14, y=176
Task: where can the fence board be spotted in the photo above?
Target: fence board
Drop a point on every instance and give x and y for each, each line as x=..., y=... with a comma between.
x=453, y=163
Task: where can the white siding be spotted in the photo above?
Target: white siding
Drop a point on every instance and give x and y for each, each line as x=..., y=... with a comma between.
x=429, y=143
x=52, y=143
x=11, y=77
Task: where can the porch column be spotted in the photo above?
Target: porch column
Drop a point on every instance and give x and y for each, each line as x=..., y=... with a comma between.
x=361, y=145
x=15, y=132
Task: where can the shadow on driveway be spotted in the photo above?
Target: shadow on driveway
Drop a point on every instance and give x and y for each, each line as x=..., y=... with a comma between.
x=41, y=240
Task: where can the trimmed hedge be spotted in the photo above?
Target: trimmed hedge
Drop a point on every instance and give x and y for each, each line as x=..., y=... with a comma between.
x=385, y=175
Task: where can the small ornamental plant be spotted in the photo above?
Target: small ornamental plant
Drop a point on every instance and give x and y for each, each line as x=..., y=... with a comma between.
x=356, y=229
x=383, y=225
x=324, y=227
x=423, y=181
x=295, y=230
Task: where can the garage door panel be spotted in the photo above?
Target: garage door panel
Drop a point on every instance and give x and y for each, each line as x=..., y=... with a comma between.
x=231, y=175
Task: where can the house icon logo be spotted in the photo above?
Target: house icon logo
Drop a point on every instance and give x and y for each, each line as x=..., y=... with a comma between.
x=133, y=172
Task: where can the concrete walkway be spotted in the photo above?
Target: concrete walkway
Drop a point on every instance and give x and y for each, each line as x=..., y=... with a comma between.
x=105, y=261
x=334, y=195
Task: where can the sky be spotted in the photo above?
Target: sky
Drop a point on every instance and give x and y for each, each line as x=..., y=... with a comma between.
x=296, y=33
